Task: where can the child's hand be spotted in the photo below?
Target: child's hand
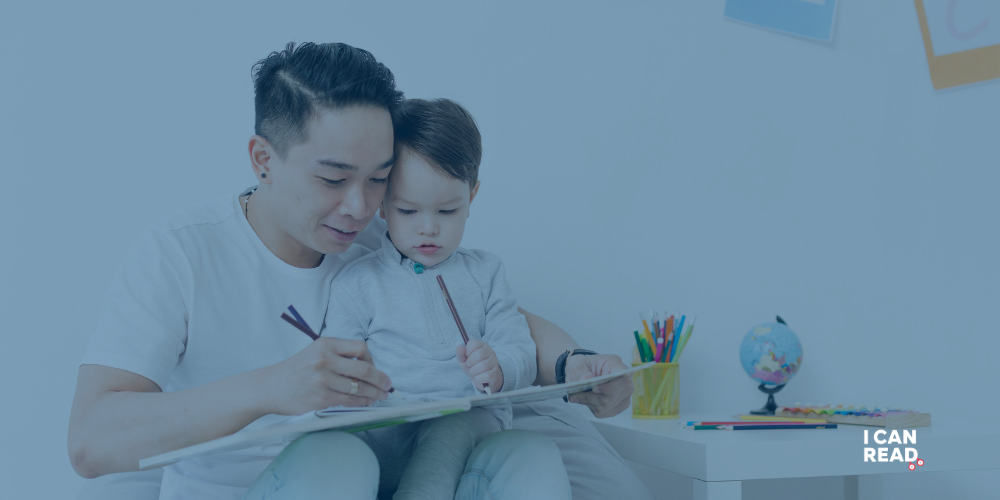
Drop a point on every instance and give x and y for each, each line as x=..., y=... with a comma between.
x=479, y=362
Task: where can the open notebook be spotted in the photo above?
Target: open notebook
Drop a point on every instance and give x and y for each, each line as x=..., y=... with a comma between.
x=359, y=419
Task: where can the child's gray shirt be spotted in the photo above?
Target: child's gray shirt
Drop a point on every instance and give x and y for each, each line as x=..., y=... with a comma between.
x=398, y=309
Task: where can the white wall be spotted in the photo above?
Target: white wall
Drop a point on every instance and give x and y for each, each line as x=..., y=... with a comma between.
x=636, y=156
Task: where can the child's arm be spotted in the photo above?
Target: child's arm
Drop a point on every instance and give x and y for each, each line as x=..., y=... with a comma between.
x=507, y=333
x=479, y=362
x=344, y=317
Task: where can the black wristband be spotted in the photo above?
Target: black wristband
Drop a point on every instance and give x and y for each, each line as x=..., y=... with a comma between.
x=561, y=365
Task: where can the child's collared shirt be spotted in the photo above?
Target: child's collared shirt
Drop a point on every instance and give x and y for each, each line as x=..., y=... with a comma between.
x=396, y=306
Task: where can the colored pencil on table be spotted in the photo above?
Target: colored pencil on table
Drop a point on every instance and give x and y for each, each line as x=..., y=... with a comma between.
x=763, y=427
x=768, y=418
x=746, y=422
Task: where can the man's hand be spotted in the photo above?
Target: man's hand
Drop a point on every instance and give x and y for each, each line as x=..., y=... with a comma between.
x=321, y=376
x=479, y=361
x=607, y=399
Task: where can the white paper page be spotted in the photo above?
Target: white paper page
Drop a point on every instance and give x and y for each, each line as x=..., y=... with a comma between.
x=308, y=422
x=542, y=393
x=353, y=418
x=346, y=410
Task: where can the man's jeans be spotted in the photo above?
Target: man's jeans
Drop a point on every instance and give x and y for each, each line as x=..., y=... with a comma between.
x=507, y=465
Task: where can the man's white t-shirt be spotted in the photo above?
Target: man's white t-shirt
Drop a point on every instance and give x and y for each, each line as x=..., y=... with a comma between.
x=199, y=298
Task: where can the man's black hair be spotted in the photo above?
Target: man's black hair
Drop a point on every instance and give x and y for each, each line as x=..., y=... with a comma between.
x=291, y=85
x=442, y=132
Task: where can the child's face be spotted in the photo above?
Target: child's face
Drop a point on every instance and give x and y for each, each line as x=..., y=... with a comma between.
x=425, y=210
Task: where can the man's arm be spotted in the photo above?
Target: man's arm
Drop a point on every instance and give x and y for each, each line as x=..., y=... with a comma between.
x=119, y=417
x=550, y=342
x=605, y=400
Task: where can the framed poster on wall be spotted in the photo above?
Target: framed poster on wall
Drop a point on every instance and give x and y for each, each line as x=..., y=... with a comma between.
x=811, y=19
x=961, y=39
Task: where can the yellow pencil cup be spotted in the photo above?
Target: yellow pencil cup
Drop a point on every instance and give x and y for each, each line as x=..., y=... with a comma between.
x=657, y=391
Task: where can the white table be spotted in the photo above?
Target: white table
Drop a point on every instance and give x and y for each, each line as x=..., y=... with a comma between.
x=716, y=462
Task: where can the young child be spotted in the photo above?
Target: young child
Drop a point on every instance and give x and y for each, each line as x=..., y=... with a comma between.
x=392, y=301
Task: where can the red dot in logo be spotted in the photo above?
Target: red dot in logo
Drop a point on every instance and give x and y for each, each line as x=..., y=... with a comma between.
x=911, y=466
x=920, y=462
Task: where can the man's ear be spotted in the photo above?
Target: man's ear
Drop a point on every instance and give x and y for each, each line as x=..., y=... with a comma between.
x=261, y=153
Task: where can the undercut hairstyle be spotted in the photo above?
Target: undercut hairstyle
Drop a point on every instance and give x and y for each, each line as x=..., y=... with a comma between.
x=443, y=133
x=292, y=85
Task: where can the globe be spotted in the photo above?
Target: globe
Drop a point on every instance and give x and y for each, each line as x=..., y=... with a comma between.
x=771, y=353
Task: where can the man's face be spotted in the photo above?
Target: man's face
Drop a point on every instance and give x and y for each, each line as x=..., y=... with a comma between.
x=426, y=210
x=326, y=190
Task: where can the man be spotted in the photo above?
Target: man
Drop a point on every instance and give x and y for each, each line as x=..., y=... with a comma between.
x=190, y=346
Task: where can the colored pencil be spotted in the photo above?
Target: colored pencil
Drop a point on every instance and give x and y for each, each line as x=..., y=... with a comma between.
x=298, y=317
x=657, y=341
x=667, y=329
x=304, y=327
x=656, y=327
x=768, y=418
x=669, y=343
x=458, y=320
x=663, y=337
x=638, y=344
x=645, y=329
x=645, y=325
x=684, y=341
x=763, y=427
x=662, y=340
x=746, y=422
x=648, y=350
x=677, y=338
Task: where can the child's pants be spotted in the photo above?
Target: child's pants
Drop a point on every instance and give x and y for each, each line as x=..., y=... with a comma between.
x=505, y=465
x=425, y=460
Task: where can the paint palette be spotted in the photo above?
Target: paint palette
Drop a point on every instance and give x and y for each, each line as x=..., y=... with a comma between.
x=882, y=416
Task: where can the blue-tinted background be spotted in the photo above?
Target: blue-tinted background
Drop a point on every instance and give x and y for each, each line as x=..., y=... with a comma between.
x=636, y=156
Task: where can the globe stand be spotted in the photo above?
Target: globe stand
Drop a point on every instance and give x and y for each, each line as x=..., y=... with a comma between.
x=768, y=408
